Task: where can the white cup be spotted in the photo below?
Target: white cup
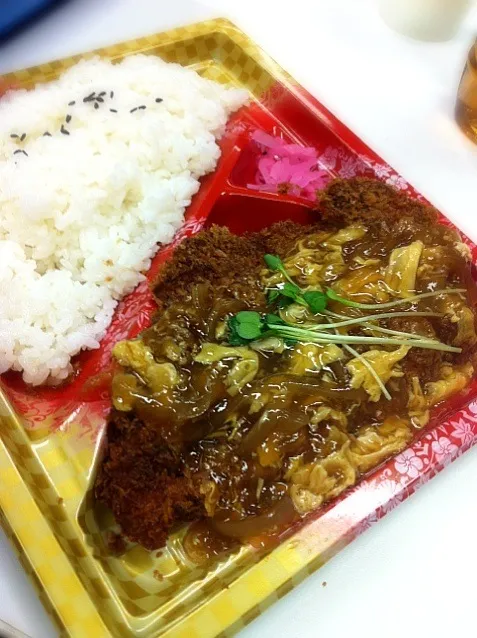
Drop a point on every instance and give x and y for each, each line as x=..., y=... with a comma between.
x=433, y=20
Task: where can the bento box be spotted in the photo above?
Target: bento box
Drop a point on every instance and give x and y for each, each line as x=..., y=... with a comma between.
x=51, y=438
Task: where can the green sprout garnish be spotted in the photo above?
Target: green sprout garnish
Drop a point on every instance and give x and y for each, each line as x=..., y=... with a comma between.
x=290, y=292
x=244, y=327
x=315, y=300
x=275, y=263
x=331, y=294
x=248, y=326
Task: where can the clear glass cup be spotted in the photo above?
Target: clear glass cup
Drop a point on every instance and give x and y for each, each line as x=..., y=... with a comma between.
x=466, y=106
x=432, y=20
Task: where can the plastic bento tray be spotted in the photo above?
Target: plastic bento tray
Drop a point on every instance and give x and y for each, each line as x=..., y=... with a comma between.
x=50, y=438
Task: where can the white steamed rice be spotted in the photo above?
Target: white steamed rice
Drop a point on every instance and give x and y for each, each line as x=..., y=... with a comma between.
x=81, y=214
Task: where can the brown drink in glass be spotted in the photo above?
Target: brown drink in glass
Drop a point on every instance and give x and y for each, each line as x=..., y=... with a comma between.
x=466, y=107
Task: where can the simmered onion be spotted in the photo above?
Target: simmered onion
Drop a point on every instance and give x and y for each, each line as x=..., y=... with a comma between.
x=273, y=420
x=282, y=514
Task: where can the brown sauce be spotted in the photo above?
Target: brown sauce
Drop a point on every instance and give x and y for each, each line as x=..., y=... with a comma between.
x=248, y=460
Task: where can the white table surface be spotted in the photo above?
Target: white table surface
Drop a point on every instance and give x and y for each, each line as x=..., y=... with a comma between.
x=412, y=574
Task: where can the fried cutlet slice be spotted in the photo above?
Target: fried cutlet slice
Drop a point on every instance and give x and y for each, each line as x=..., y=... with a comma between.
x=141, y=481
x=141, y=478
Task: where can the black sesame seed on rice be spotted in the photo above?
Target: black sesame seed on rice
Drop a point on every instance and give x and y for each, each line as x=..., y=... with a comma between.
x=14, y=136
x=20, y=150
x=47, y=134
x=64, y=131
x=96, y=105
x=111, y=95
x=134, y=109
x=159, y=100
x=89, y=97
x=71, y=103
x=68, y=119
x=113, y=110
x=102, y=93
